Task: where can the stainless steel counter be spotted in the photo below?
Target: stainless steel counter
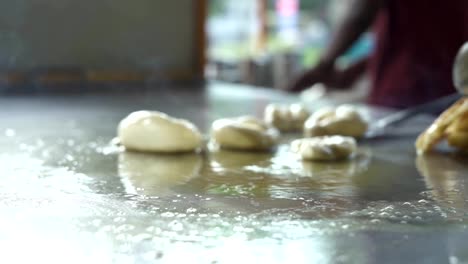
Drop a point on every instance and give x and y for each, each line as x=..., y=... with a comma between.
x=67, y=195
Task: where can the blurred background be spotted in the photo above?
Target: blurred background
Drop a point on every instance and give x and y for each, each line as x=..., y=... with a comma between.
x=71, y=45
x=267, y=42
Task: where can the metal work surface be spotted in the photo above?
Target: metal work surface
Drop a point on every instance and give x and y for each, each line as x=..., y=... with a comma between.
x=68, y=196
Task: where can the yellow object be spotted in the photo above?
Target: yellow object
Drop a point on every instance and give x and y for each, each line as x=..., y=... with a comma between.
x=452, y=124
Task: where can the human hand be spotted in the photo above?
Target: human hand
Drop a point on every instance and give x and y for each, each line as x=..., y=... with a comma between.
x=322, y=73
x=330, y=76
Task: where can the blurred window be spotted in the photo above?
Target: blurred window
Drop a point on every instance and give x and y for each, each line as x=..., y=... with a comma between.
x=248, y=37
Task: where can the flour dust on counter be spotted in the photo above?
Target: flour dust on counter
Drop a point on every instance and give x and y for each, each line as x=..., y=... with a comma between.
x=69, y=195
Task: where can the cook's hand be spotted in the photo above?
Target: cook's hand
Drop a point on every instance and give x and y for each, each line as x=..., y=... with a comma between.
x=322, y=73
x=330, y=76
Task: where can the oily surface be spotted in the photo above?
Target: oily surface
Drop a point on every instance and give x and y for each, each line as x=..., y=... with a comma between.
x=68, y=195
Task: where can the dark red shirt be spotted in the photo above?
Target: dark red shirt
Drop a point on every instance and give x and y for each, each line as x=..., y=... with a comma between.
x=416, y=44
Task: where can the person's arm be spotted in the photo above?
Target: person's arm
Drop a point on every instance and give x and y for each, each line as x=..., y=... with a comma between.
x=356, y=21
x=345, y=78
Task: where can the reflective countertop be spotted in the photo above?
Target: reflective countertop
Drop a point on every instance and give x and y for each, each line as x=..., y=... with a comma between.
x=67, y=195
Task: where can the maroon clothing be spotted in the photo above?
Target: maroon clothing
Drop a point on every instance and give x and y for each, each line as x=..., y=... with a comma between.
x=416, y=44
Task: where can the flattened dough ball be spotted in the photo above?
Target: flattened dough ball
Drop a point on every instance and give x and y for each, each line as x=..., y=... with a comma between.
x=244, y=133
x=286, y=118
x=344, y=120
x=326, y=148
x=152, y=131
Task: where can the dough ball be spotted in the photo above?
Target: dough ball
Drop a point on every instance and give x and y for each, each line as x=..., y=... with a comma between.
x=327, y=148
x=153, y=131
x=344, y=120
x=286, y=118
x=156, y=174
x=244, y=133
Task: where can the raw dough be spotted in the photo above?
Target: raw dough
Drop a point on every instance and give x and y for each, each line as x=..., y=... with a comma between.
x=244, y=133
x=344, y=120
x=154, y=131
x=286, y=117
x=452, y=124
x=326, y=148
x=155, y=174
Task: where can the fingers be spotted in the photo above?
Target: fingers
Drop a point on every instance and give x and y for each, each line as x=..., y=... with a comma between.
x=307, y=79
x=322, y=73
x=300, y=83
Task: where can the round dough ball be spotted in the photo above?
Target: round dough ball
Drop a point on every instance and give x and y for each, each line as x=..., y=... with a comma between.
x=327, y=148
x=286, y=117
x=277, y=116
x=244, y=133
x=299, y=114
x=153, y=131
x=344, y=120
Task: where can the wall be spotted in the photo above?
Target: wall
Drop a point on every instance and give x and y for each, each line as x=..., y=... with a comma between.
x=98, y=34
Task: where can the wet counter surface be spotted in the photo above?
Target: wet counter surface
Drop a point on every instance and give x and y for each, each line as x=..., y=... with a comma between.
x=68, y=195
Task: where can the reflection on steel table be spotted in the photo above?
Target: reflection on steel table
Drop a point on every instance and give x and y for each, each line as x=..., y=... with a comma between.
x=68, y=195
